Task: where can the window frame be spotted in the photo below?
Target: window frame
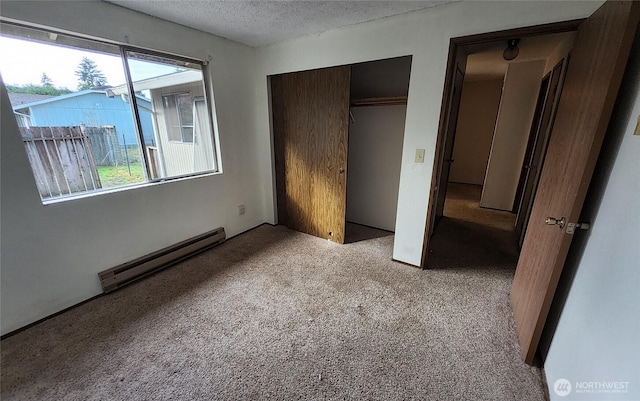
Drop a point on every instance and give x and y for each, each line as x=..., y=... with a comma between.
x=18, y=27
x=124, y=49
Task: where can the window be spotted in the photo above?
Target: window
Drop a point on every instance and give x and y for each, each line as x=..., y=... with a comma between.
x=179, y=111
x=95, y=116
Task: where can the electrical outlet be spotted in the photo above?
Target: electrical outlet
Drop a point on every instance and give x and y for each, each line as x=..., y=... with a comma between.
x=419, y=155
x=241, y=210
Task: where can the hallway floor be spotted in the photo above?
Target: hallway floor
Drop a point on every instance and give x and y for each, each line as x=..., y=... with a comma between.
x=471, y=236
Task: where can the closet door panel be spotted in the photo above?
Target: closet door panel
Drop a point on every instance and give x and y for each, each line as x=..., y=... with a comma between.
x=310, y=119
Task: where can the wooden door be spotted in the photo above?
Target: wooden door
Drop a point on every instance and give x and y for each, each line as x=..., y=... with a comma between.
x=447, y=157
x=310, y=123
x=593, y=78
x=536, y=151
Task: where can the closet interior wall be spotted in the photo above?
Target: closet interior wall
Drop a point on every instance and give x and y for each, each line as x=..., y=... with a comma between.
x=379, y=92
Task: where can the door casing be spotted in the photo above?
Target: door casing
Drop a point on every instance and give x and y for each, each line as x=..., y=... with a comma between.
x=538, y=141
x=447, y=149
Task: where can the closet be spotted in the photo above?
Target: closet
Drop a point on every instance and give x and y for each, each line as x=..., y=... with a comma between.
x=338, y=136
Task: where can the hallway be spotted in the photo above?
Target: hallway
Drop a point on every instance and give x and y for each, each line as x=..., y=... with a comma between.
x=470, y=236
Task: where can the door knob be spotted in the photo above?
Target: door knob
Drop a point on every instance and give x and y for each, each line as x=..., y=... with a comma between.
x=552, y=221
x=341, y=170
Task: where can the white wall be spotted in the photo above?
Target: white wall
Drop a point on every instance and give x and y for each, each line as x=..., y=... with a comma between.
x=515, y=115
x=425, y=35
x=596, y=339
x=51, y=254
x=474, y=132
x=373, y=167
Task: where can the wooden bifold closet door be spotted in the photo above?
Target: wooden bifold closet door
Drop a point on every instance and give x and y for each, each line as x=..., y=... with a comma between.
x=310, y=127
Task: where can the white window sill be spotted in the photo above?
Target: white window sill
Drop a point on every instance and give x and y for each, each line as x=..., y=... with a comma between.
x=91, y=194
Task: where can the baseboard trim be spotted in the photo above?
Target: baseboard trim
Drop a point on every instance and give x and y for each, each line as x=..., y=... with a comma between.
x=37, y=322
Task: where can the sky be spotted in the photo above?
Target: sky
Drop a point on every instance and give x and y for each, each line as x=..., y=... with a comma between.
x=23, y=62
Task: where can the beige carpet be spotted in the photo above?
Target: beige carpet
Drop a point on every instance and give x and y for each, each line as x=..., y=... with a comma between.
x=275, y=314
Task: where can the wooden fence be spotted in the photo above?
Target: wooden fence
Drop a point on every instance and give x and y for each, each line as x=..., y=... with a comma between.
x=104, y=145
x=61, y=159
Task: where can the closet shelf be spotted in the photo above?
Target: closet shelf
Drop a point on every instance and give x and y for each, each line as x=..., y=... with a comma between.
x=379, y=101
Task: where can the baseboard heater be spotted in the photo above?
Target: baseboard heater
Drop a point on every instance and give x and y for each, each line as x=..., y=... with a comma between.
x=129, y=272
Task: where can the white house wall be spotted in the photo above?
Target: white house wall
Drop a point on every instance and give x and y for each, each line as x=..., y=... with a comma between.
x=51, y=254
x=180, y=158
x=425, y=35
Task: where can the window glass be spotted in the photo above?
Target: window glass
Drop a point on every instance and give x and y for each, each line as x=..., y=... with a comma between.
x=82, y=129
x=77, y=139
x=171, y=117
x=185, y=107
x=181, y=134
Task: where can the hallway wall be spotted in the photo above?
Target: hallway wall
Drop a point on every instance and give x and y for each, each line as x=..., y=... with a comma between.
x=517, y=106
x=477, y=118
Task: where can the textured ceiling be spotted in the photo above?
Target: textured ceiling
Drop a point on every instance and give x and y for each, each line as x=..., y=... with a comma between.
x=259, y=23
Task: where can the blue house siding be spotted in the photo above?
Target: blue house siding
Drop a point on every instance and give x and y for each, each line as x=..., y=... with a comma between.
x=93, y=108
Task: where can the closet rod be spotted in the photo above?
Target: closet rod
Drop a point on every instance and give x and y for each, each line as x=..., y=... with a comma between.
x=379, y=101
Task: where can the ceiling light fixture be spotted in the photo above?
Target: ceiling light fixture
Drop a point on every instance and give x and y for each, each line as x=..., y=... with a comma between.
x=512, y=50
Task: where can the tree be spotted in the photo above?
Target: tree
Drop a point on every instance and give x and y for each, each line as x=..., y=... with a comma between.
x=37, y=89
x=45, y=80
x=89, y=76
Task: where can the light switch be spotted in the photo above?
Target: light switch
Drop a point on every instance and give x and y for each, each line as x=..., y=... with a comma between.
x=419, y=155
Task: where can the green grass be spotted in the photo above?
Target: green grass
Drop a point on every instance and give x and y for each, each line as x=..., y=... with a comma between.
x=112, y=176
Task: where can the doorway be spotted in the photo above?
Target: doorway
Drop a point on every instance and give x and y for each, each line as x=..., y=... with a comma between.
x=505, y=112
x=500, y=114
